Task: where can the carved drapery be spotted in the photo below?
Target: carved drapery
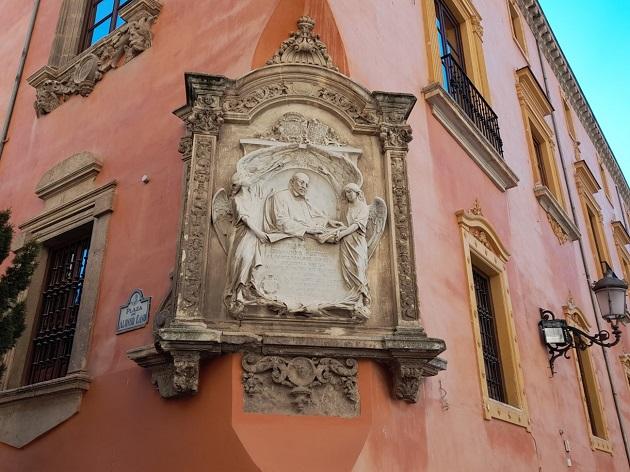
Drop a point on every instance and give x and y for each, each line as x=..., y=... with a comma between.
x=302, y=108
x=78, y=77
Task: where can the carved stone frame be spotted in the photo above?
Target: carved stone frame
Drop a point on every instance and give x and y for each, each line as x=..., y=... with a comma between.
x=188, y=334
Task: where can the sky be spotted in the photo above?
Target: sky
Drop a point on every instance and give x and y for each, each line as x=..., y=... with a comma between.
x=595, y=38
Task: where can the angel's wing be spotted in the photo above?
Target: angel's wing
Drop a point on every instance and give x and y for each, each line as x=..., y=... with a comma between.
x=376, y=224
x=222, y=217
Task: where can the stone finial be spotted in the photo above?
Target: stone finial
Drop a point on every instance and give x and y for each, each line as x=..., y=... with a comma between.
x=476, y=208
x=303, y=47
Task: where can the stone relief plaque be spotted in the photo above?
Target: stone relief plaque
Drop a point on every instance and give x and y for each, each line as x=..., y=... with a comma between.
x=296, y=246
x=296, y=227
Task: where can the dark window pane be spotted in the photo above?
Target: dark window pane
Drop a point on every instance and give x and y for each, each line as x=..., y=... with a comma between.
x=489, y=341
x=540, y=163
x=57, y=319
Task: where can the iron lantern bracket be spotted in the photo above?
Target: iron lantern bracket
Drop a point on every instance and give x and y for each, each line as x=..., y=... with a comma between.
x=575, y=338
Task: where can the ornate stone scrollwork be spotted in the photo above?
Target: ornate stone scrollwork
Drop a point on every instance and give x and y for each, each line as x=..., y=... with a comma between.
x=197, y=222
x=407, y=378
x=362, y=116
x=303, y=47
x=296, y=128
x=395, y=136
x=206, y=116
x=300, y=384
x=186, y=371
x=250, y=101
x=80, y=76
x=404, y=240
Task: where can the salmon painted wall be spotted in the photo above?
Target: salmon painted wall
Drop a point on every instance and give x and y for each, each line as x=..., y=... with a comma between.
x=128, y=123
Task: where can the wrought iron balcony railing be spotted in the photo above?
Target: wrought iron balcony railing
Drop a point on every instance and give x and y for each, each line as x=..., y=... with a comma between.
x=459, y=86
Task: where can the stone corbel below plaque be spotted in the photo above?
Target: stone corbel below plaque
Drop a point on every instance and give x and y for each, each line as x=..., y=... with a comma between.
x=288, y=254
x=54, y=86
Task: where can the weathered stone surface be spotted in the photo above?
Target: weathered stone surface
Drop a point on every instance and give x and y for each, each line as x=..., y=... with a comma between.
x=300, y=385
x=67, y=174
x=30, y=411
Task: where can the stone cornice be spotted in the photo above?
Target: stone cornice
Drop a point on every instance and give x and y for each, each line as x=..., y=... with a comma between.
x=551, y=49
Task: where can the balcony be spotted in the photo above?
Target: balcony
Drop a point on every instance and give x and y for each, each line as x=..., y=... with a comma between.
x=459, y=86
x=466, y=115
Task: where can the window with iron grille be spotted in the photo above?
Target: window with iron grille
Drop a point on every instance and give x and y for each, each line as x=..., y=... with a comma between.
x=59, y=306
x=102, y=18
x=489, y=341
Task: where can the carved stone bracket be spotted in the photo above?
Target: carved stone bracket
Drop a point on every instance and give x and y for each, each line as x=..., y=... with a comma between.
x=407, y=377
x=79, y=77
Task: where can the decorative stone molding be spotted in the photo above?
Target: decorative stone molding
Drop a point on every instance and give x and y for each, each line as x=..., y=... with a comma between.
x=469, y=137
x=79, y=210
x=620, y=234
x=303, y=47
x=302, y=385
x=584, y=179
x=407, y=377
x=79, y=76
x=28, y=412
x=68, y=173
x=296, y=128
x=561, y=224
x=287, y=128
x=485, y=252
x=551, y=49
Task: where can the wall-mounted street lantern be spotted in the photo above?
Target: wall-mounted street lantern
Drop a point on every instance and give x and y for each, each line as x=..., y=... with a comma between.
x=560, y=338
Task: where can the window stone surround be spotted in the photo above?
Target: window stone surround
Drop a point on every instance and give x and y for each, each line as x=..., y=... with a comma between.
x=69, y=73
x=71, y=200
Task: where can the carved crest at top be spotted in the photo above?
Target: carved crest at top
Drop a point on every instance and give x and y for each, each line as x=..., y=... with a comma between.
x=303, y=47
x=296, y=128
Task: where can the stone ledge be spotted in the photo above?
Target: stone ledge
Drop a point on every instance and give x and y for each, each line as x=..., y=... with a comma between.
x=557, y=214
x=69, y=172
x=174, y=359
x=54, y=86
x=469, y=137
x=30, y=411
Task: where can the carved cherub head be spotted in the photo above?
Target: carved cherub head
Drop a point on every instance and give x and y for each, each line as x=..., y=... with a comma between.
x=299, y=184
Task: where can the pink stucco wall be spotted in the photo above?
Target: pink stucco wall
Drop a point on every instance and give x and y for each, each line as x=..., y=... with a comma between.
x=127, y=122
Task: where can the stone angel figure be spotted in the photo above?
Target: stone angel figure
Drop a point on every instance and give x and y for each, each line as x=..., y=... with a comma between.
x=358, y=240
x=237, y=221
